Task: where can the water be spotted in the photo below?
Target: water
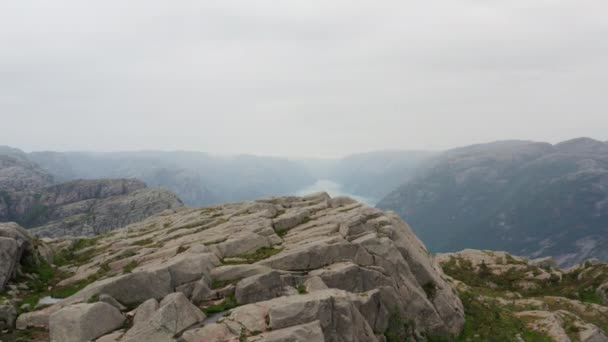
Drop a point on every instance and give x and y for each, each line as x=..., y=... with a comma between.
x=333, y=189
x=48, y=300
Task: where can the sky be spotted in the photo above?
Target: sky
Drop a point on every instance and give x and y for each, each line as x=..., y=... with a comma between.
x=311, y=78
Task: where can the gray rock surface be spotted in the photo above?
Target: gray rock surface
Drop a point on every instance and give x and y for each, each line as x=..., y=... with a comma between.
x=17, y=246
x=90, y=207
x=268, y=270
x=174, y=315
x=84, y=322
x=9, y=258
x=8, y=315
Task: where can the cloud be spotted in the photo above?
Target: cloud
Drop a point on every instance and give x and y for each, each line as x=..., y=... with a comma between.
x=300, y=78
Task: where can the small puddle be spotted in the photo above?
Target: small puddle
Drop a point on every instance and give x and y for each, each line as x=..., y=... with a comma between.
x=48, y=300
x=214, y=318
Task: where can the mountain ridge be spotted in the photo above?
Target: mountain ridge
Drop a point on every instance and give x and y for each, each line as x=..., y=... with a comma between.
x=532, y=199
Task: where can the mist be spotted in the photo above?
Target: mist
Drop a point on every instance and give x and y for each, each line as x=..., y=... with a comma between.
x=302, y=78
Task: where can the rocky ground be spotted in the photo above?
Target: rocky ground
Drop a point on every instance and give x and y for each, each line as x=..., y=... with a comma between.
x=508, y=298
x=286, y=269
x=278, y=269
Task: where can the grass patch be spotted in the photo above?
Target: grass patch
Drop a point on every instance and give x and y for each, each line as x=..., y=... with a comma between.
x=142, y=242
x=489, y=321
x=399, y=329
x=430, y=289
x=125, y=254
x=302, y=289
x=128, y=268
x=94, y=299
x=73, y=255
x=227, y=304
x=259, y=254
x=219, y=284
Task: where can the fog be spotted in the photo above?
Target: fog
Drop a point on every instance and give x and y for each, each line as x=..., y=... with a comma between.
x=300, y=78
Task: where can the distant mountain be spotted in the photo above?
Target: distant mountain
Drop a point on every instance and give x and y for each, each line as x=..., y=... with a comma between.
x=18, y=173
x=29, y=196
x=528, y=198
x=197, y=178
x=371, y=175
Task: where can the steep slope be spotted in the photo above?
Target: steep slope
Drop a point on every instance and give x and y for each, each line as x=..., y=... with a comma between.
x=528, y=198
x=509, y=298
x=197, y=178
x=277, y=269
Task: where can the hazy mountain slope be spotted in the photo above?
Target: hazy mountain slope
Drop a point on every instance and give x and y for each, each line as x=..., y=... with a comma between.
x=197, y=178
x=528, y=198
x=18, y=173
x=83, y=207
x=376, y=174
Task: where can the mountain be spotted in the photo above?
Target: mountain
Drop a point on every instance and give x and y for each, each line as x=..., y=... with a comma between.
x=528, y=198
x=371, y=175
x=309, y=268
x=18, y=173
x=91, y=207
x=197, y=178
x=30, y=196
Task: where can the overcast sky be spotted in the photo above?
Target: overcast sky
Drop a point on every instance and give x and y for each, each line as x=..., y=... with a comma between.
x=311, y=78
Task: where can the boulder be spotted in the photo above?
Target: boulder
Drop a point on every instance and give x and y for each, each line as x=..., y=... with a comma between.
x=10, y=253
x=8, y=315
x=201, y=292
x=305, y=332
x=602, y=291
x=145, y=311
x=212, y=332
x=237, y=272
x=259, y=288
x=110, y=300
x=173, y=317
x=84, y=322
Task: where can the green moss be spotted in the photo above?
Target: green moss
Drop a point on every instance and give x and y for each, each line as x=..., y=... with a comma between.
x=93, y=299
x=260, y=254
x=430, y=289
x=489, y=321
x=142, y=242
x=227, y=304
x=128, y=268
x=590, y=296
x=218, y=284
x=75, y=255
x=302, y=289
x=125, y=254
x=399, y=329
